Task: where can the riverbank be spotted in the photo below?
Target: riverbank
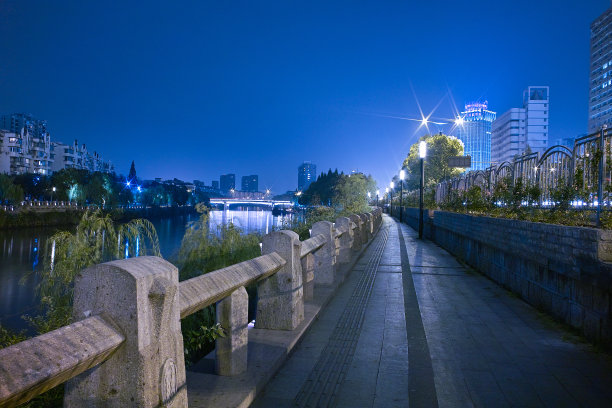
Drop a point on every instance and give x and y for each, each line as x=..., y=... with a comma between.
x=67, y=217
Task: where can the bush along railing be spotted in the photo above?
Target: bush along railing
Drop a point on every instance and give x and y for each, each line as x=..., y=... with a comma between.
x=577, y=177
x=125, y=347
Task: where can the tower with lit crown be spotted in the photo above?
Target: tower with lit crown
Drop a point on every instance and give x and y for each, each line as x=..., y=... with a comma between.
x=475, y=133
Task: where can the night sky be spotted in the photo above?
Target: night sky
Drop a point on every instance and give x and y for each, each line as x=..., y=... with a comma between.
x=195, y=89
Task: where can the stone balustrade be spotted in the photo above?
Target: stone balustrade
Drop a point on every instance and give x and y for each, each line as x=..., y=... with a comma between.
x=125, y=348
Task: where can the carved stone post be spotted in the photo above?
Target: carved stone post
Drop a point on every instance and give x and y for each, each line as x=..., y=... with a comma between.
x=308, y=276
x=356, y=232
x=140, y=296
x=231, y=350
x=280, y=303
x=346, y=240
x=370, y=226
x=365, y=234
x=325, y=257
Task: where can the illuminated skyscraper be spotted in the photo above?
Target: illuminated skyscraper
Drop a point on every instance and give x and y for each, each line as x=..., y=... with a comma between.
x=522, y=129
x=307, y=173
x=475, y=133
x=600, y=78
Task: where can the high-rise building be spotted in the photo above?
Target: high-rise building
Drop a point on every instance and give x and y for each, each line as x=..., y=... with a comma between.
x=522, y=129
x=307, y=173
x=250, y=183
x=227, y=182
x=475, y=133
x=600, y=77
x=29, y=144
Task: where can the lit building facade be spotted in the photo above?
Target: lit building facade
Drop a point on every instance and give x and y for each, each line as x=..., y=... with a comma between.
x=250, y=183
x=307, y=173
x=75, y=156
x=507, y=136
x=475, y=133
x=26, y=147
x=600, y=73
x=227, y=182
x=522, y=129
x=26, y=143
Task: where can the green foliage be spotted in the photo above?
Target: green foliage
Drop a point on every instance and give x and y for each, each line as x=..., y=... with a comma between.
x=97, y=239
x=322, y=191
x=204, y=251
x=10, y=193
x=439, y=148
x=351, y=193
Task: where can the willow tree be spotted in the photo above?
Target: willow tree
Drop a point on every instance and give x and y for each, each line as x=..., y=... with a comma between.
x=440, y=148
x=96, y=239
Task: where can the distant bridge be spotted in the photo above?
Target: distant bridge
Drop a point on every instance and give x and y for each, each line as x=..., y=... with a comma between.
x=227, y=202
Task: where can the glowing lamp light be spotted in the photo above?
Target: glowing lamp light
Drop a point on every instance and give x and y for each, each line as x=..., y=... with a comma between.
x=139, y=189
x=54, y=189
x=387, y=190
x=459, y=121
x=127, y=183
x=402, y=174
x=422, y=149
x=377, y=192
x=369, y=195
x=391, y=184
x=424, y=122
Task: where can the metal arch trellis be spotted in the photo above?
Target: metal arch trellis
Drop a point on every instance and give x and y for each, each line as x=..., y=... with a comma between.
x=579, y=165
x=556, y=167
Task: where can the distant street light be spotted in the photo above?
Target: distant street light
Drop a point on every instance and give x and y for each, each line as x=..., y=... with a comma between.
x=422, y=155
x=377, y=194
x=387, y=192
x=391, y=185
x=401, y=177
x=52, y=191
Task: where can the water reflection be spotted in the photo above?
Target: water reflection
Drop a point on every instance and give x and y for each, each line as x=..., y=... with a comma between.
x=22, y=252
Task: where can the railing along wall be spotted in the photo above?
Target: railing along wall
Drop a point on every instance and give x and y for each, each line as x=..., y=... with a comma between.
x=587, y=163
x=125, y=347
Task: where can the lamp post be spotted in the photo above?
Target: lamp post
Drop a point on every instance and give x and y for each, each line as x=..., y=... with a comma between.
x=387, y=192
x=377, y=194
x=391, y=186
x=422, y=154
x=52, y=191
x=401, y=177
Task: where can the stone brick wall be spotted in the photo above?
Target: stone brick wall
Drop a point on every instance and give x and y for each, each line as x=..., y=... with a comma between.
x=565, y=271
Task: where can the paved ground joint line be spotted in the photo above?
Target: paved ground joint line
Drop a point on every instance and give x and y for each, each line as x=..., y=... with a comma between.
x=421, y=385
x=323, y=383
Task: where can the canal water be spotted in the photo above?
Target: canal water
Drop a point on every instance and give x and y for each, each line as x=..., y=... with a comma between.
x=22, y=252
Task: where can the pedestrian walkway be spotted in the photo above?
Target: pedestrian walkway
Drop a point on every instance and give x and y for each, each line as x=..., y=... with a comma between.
x=412, y=326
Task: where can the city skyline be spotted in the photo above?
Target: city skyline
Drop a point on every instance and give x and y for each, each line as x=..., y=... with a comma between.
x=192, y=94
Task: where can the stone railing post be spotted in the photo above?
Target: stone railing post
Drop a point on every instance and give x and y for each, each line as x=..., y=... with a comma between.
x=370, y=225
x=356, y=232
x=139, y=296
x=308, y=276
x=346, y=240
x=365, y=233
x=280, y=303
x=325, y=257
x=231, y=350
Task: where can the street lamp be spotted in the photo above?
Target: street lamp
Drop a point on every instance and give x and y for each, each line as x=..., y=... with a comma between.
x=387, y=192
x=422, y=155
x=391, y=186
x=401, y=177
x=52, y=191
x=377, y=194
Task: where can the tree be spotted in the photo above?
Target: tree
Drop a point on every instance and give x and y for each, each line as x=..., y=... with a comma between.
x=9, y=192
x=440, y=148
x=351, y=193
x=132, y=173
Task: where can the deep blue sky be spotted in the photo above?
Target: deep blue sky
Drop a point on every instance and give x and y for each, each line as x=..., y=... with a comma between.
x=200, y=88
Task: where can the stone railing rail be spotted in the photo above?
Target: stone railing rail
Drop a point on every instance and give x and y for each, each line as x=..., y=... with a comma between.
x=125, y=347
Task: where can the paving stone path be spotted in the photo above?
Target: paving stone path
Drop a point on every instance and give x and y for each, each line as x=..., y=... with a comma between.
x=411, y=326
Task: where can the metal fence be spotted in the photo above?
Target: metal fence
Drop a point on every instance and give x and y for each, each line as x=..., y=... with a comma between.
x=587, y=165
